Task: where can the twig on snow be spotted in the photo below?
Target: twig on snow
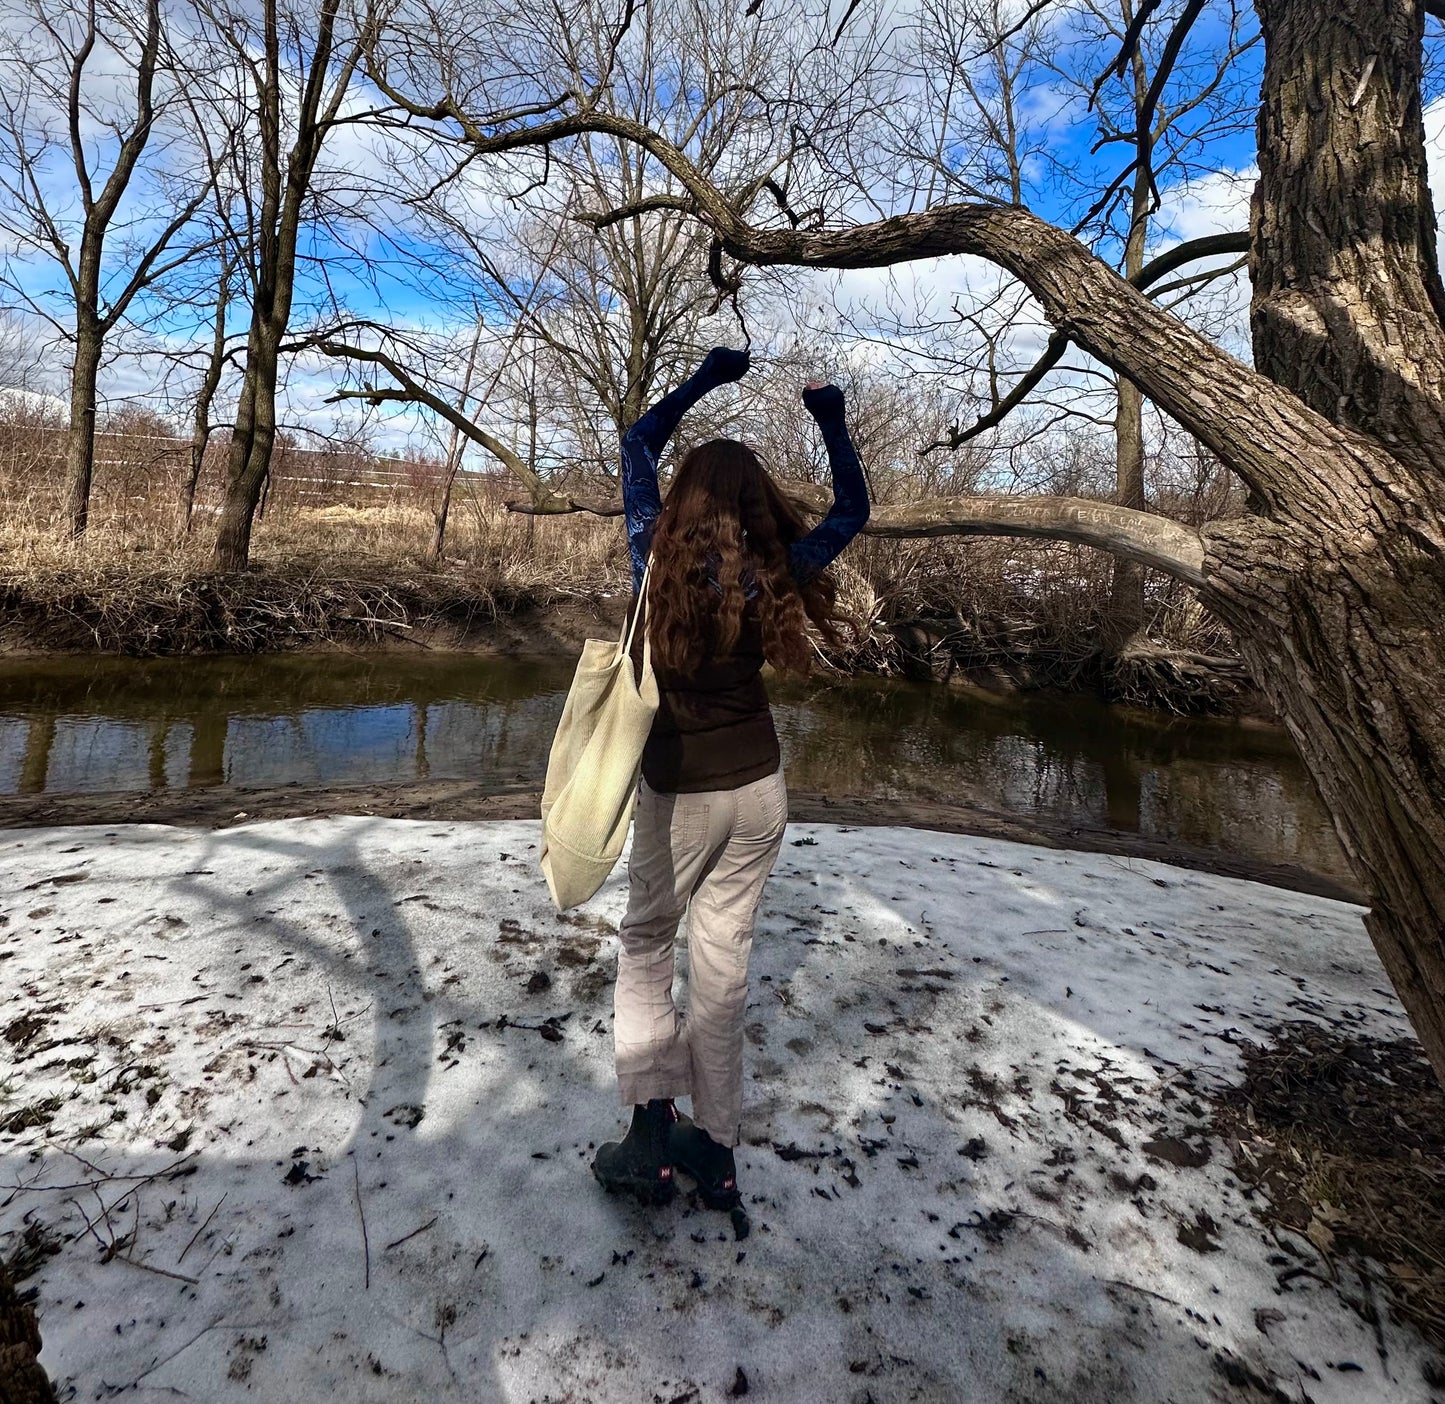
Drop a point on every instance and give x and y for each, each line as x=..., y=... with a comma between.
x=361, y=1214
x=405, y=1237
x=175, y=1165
x=90, y=1226
x=202, y=1228
x=150, y=1370
x=136, y=1262
x=1134, y=1287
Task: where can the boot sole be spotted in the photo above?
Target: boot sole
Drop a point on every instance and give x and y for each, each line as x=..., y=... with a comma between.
x=649, y=1193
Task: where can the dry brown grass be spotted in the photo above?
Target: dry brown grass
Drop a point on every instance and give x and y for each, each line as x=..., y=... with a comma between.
x=322, y=571
x=344, y=538
x=508, y=549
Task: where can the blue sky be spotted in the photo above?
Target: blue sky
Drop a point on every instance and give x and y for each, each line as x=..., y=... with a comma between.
x=394, y=292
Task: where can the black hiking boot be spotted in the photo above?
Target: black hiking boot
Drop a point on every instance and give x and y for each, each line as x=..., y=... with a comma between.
x=696, y=1154
x=641, y=1163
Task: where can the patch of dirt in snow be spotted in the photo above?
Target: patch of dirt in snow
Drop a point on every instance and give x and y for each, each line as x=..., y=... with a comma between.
x=1342, y=1136
x=305, y=1110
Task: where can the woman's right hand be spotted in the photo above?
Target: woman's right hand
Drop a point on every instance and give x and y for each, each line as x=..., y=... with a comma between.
x=822, y=399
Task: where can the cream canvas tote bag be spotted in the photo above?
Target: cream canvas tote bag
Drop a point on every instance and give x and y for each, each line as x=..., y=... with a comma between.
x=596, y=757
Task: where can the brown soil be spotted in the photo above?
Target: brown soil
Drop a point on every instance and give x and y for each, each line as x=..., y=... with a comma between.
x=554, y=628
x=224, y=805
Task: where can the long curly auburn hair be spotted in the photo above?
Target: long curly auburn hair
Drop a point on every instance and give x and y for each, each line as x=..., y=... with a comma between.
x=722, y=535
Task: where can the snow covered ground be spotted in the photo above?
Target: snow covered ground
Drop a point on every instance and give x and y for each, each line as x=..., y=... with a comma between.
x=309, y=1106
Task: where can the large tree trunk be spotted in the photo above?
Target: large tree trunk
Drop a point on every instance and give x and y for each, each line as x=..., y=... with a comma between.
x=80, y=446
x=282, y=201
x=1341, y=615
x=1347, y=298
x=1341, y=626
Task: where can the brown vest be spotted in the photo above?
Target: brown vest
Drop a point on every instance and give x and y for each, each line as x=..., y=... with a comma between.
x=714, y=727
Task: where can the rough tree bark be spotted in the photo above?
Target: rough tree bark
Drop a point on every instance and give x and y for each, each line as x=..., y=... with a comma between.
x=80, y=445
x=1335, y=588
x=1342, y=615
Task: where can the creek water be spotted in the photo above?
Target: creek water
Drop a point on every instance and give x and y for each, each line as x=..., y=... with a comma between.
x=93, y=725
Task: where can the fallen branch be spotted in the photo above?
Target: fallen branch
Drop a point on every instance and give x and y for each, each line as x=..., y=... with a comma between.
x=178, y=1276
x=110, y=1179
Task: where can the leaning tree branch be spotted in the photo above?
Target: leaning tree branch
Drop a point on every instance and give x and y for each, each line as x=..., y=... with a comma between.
x=607, y=218
x=1113, y=321
x=1151, y=540
x=1023, y=388
x=1207, y=247
x=414, y=392
x=1193, y=282
x=1079, y=294
x=1210, y=246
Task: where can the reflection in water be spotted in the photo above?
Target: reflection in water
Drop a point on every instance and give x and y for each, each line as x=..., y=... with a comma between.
x=35, y=764
x=207, y=765
x=92, y=725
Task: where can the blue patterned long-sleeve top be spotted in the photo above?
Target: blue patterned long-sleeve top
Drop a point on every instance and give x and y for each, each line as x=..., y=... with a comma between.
x=642, y=446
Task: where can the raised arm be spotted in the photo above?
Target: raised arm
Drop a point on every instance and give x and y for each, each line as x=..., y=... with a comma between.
x=642, y=446
x=817, y=550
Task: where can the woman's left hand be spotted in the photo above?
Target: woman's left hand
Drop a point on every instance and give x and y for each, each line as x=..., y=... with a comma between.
x=725, y=364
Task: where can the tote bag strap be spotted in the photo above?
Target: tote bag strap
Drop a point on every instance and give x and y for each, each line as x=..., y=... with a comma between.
x=637, y=616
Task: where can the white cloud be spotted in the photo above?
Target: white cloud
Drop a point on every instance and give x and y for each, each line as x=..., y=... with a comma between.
x=1216, y=204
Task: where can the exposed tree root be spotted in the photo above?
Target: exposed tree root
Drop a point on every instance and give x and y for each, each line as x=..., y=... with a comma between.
x=1149, y=675
x=1032, y=653
x=168, y=614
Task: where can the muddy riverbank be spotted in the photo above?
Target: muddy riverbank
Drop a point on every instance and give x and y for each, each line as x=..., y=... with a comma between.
x=139, y=613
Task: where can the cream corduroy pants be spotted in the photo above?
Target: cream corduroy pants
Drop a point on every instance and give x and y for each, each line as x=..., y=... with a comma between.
x=711, y=851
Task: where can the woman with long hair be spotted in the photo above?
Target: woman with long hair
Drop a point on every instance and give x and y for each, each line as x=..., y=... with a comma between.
x=732, y=580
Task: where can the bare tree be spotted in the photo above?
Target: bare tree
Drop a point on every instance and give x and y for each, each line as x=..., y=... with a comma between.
x=1175, y=103
x=456, y=451
x=293, y=80
x=985, y=131
x=59, y=109
x=20, y=357
x=1335, y=584
x=592, y=324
